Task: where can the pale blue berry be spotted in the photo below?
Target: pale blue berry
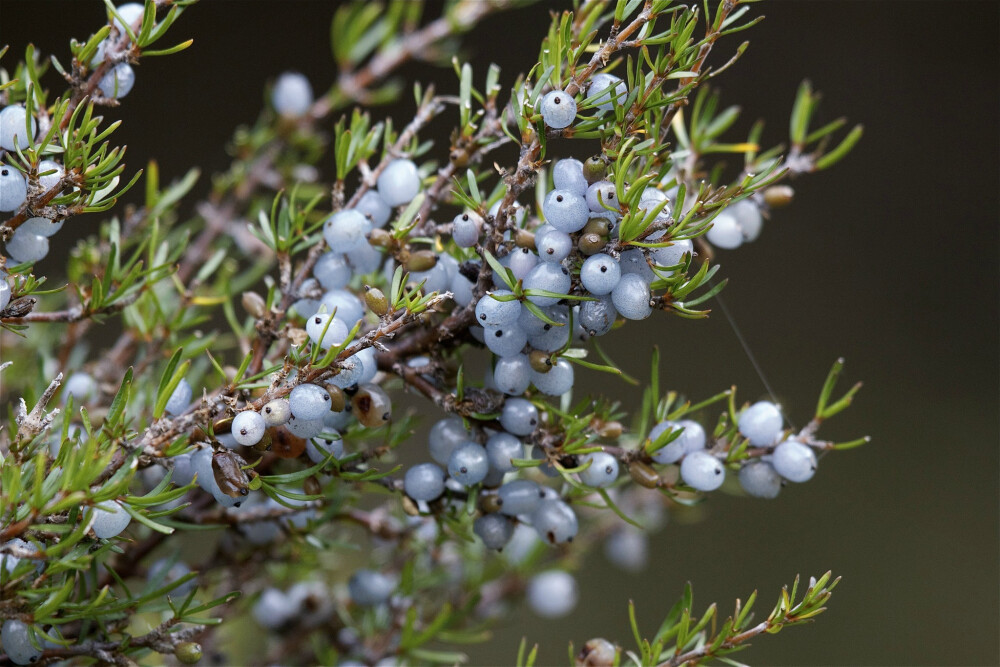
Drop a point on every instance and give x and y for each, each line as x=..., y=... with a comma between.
x=468, y=464
x=533, y=325
x=24, y=246
x=748, y=218
x=567, y=175
x=794, y=460
x=130, y=12
x=505, y=341
x=519, y=416
x=180, y=398
x=600, y=273
x=372, y=206
x=435, y=280
x=41, y=226
x=521, y=261
x=466, y=228
x=552, y=594
x=501, y=450
x=702, y=471
x=369, y=365
x=369, y=588
x=555, y=521
x=761, y=423
x=690, y=439
x=602, y=472
x=50, y=173
x=558, y=109
x=512, y=374
x=16, y=639
x=399, y=182
x=445, y=436
x=518, y=497
x=110, y=519
x=248, y=428
x=309, y=401
x=598, y=316
x=760, y=480
x=554, y=246
x=494, y=312
x=163, y=573
x=118, y=81
x=273, y=609
x=461, y=290
x=613, y=88
x=276, y=412
x=348, y=307
x=13, y=190
x=628, y=548
x=349, y=372
x=725, y=232
x=4, y=294
x=345, y=230
x=303, y=428
x=673, y=254
x=634, y=261
x=332, y=270
x=557, y=381
x=292, y=95
x=631, y=297
x=494, y=530
x=549, y=277
x=81, y=386
x=13, y=129
x=318, y=449
x=424, y=481
x=565, y=210
x=602, y=196
x=326, y=331
x=552, y=337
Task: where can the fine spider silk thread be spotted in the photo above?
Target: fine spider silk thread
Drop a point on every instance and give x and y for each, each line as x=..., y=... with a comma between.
x=753, y=360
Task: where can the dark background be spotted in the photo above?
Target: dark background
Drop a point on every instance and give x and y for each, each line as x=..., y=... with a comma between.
x=889, y=259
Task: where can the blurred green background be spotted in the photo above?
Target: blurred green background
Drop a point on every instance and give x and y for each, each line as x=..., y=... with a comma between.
x=889, y=259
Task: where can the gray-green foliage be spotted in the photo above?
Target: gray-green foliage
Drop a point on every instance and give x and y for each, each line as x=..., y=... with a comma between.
x=195, y=292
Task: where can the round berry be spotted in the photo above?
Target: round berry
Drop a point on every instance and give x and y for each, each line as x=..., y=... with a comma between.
x=702, y=471
x=110, y=519
x=326, y=331
x=445, y=436
x=345, y=230
x=558, y=109
x=493, y=312
x=332, y=270
x=81, y=386
x=554, y=521
x=468, y=464
x=273, y=609
x=248, y=428
x=348, y=308
x=690, y=439
x=13, y=129
x=118, y=81
x=494, y=530
x=552, y=594
x=549, y=277
x=602, y=472
x=276, y=412
x=16, y=639
x=13, y=190
x=794, y=460
x=600, y=273
x=180, y=398
x=597, y=317
x=369, y=588
x=631, y=297
x=613, y=89
x=520, y=496
x=557, y=381
x=24, y=246
x=519, y=416
x=318, y=449
x=628, y=548
x=554, y=246
x=761, y=423
x=373, y=207
x=521, y=261
x=466, y=228
x=41, y=226
x=565, y=210
x=292, y=95
x=50, y=173
x=568, y=175
x=501, y=450
x=760, y=480
x=673, y=254
x=512, y=374
x=725, y=232
x=309, y=401
x=505, y=341
x=634, y=261
x=399, y=182
x=748, y=218
x=602, y=196
x=424, y=481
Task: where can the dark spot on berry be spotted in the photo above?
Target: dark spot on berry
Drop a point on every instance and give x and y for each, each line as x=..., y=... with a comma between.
x=609, y=470
x=237, y=504
x=4, y=172
x=525, y=251
x=326, y=397
x=318, y=320
x=244, y=491
x=552, y=537
x=385, y=416
x=533, y=421
x=499, y=502
x=718, y=471
x=465, y=216
x=463, y=470
x=604, y=269
x=499, y=334
x=243, y=431
x=557, y=100
x=559, y=198
x=550, y=251
x=483, y=317
x=565, y=272
x=267, y=410
x=546, y=327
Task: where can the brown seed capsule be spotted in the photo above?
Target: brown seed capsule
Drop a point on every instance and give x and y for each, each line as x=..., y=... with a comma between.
x=199, y=435
x=286, y=444
x=459, y=158
x=188, y=653
x=596, y=653
x=489, y=503
x=541, y=362
x=254, y=304
x=590, y=244
x=372, y=406
x=610, y=430
x=777, y=196
x=223, y=426
x=410, y=507
x=264, y=444
x=421, y=260
x=20, y=307
x=337, y=399
x=643, y=474
x=599, y=226
x=524, y=239
x=312, y=486
x=594, y=169
x=229, y=475
x=381, y=238
x=376, y=301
